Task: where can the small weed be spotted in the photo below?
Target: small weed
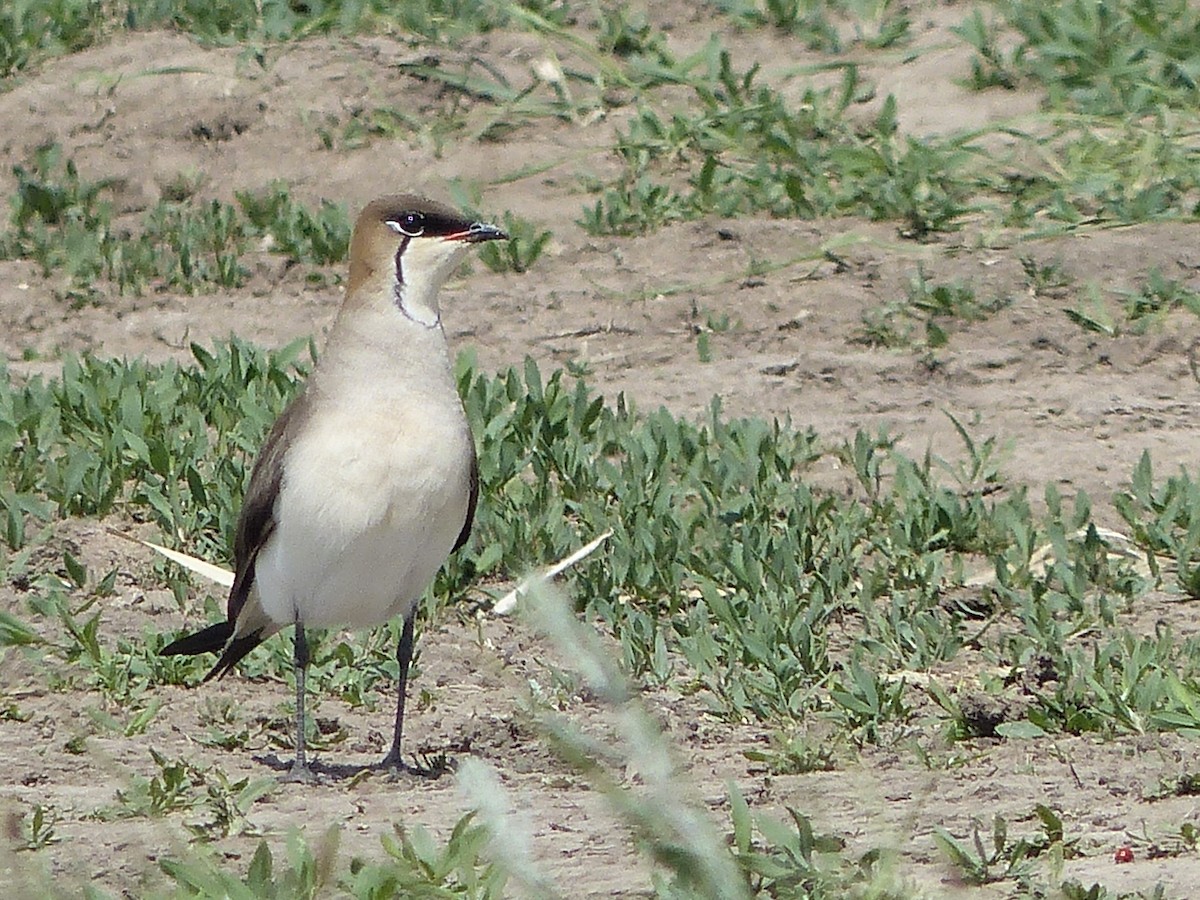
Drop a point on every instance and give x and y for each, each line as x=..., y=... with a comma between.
x=30, y=31
x=1094, y=315
x=173, y=788
x=415, y=859
x=268, y=23
x=1186, y=785
x=223, y=725
x=1123, y=58
x=794, y=756
x=525, y=244
x=823, y=25
x=320, y=238
x=953, y=300
x=221, y=805
x=989, y=68
x=307, y=871
x=1165, y=520
x=1155, y=297
x=182, y=186
x=978, y=865
x=430, y=131
x=920, y=320
x=1073, y=889
x=750, y=150
x=627, y=34
x=865, y=703
x=1047, y=279
x=61, y=222
x=889, y=326
x=980, y=470
x=38, y=828
x=364, y=126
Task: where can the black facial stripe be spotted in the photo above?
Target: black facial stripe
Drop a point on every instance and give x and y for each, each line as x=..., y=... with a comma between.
x=417, y=223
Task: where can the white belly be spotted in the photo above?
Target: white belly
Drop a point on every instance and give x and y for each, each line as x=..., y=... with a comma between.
x=367, y=512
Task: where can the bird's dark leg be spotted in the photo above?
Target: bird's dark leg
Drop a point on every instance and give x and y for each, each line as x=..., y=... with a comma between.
x=404, y=652
x=300, y=770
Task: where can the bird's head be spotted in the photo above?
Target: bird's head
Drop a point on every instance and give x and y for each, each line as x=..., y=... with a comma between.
x=403, y=249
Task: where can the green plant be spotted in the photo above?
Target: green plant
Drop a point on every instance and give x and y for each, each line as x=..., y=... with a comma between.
x=1123, y=57
x=525, y=244
x=666, y=822
x=242, y=21
x=1073, y=889
x=794, y=755
x=320, y=238
x=1005, y=860
x=1165, y=521
x=989, y=68
x=927, y=308
x=743, y=582
x=173, y=788
x=62, y=222
x=876, y=23
x=865, y=702
x=220, y=805
x=38, y=828
x=1047, y=279
x=624, y=33
x=1095, y=315
x=751, y=150
x=1155, y=297
x=955, y=299
x=30, y=29
x=306, y=873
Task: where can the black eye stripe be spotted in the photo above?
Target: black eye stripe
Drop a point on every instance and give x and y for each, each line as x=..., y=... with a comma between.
x=410, y=224
x=414, y=223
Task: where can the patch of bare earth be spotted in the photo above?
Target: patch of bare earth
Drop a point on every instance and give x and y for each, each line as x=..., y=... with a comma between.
x=1078, y=408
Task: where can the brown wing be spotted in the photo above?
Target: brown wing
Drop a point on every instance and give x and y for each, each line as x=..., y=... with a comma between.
x=472, y=500
x=256, y=522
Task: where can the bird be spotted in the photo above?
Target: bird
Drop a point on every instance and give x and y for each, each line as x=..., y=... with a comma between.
x=368, y=480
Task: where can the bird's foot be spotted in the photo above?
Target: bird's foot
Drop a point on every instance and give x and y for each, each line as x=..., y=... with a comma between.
x=392, y=765
x=300, y=773
x=426, y=766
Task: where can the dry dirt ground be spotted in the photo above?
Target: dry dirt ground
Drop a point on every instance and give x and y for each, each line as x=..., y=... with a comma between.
x=1077, y=408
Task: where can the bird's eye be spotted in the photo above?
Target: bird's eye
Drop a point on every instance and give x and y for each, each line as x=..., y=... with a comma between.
x=410, y=224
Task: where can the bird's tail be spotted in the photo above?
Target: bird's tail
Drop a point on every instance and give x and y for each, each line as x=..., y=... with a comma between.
x=216, y=638
x=208, y=640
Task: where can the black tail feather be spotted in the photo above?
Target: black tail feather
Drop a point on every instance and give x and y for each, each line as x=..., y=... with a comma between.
x=207, y=640
x=216, y=638
x=233, y=654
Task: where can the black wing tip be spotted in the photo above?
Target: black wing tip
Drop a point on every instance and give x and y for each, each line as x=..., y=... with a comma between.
x=216, y=638
x=207, y=640
x=235, y=651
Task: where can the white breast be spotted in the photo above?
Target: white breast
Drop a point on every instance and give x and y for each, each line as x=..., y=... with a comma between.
x=372, y=500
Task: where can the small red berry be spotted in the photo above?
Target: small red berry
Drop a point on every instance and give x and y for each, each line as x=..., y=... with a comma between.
x=1124, y=854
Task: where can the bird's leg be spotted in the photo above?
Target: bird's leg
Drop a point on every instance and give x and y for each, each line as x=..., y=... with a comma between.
x=300, y=770
x=404, y=652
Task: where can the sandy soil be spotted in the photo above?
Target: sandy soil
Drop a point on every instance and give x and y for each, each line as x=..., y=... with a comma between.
x=1078, y=410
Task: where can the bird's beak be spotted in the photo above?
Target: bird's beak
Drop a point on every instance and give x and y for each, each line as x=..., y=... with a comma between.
x=478, y=233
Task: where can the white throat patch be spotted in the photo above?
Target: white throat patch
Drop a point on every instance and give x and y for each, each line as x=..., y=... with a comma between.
x=422, y=267
x=425, y=315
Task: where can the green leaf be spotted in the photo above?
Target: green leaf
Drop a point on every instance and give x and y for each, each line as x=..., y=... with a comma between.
x=14, y=632
x=1022, y=730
